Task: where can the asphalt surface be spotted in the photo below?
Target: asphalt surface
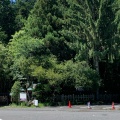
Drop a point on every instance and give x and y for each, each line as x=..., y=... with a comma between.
x=61, y=113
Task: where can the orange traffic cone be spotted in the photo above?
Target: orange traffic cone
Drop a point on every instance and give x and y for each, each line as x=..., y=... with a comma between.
x=69, y=104
x=113, y=107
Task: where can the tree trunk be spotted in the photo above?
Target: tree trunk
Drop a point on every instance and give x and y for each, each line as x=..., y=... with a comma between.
x=96, y=66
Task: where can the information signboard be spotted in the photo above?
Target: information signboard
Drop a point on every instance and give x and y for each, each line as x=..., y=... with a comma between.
x=23, y=96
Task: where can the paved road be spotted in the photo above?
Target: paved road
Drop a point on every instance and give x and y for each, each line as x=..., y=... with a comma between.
x=57, y=113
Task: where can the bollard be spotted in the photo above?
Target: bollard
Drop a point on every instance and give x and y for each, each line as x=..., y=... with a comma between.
x=89, y=107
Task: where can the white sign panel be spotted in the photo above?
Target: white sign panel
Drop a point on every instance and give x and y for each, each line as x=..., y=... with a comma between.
x=23, y=96
x=36, y=102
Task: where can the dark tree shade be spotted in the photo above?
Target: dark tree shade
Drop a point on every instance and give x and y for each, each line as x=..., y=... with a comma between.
x=7, y=18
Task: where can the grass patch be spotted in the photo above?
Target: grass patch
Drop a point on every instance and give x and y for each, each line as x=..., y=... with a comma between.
x=26, y=105
x=21, y=105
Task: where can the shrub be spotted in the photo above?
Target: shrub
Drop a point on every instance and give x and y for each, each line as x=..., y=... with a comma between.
x=15, y=92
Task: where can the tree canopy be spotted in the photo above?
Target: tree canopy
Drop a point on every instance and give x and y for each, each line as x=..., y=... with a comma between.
x=60, y=45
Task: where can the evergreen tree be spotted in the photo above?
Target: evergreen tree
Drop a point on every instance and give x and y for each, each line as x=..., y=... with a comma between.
x=7, y=19
x=56, y=31
x=5, y=81
x=3, y=36
x=34, y=49
x=22, y=9
x=47, y=21
x=93, y=24
x=116, y=30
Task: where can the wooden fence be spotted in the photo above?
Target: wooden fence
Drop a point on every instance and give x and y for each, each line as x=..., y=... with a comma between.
x=4, y=99
x=85, y=98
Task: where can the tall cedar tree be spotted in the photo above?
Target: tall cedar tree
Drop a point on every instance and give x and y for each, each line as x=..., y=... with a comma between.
x=47, y=21
x=22, y=9
x=91, y=22
x=7, y=17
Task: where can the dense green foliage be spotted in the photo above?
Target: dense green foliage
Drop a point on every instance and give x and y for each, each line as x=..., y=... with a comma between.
x=6, y=20
x=15, y=92
x=61, y=45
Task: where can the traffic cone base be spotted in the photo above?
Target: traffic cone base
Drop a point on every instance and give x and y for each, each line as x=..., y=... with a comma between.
x=113, y=107
x=69, y=104
x=89, y=107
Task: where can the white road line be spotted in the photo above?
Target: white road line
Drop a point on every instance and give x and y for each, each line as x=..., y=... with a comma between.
x=87, y=107
x=111, y=107
x=83, y=107
x=107, y=108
